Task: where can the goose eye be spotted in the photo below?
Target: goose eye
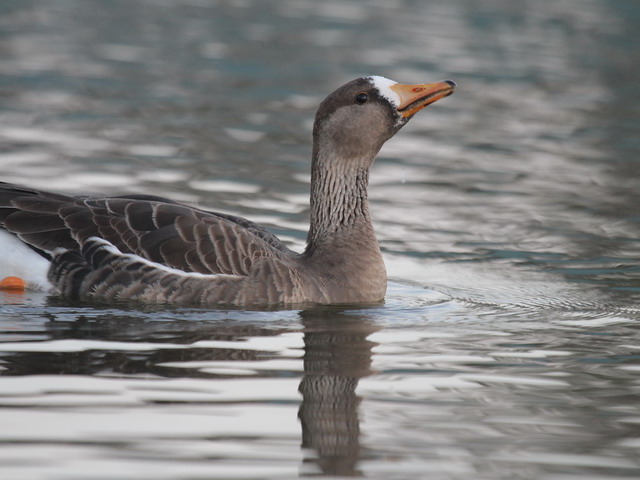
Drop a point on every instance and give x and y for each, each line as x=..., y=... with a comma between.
x=362, y=98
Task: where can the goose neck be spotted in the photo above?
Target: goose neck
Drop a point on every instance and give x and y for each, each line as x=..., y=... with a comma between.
x=339, y=204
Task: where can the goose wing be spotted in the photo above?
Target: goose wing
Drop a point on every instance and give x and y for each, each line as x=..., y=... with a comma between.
x=156, y=229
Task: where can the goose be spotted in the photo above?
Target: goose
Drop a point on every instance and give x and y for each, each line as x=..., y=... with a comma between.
x=152, y=249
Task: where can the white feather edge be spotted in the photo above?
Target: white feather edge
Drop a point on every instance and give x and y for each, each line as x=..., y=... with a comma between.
x=158, y=266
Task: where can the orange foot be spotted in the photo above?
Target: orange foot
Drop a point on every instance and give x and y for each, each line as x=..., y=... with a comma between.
x=13, y=284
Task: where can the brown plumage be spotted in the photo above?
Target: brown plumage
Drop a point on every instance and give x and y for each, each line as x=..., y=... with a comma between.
x=148, y=248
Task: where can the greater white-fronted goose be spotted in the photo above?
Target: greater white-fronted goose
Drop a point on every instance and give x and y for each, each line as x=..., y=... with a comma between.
x=147, y=248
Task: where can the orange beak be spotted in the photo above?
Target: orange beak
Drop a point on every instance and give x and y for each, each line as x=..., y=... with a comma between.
x=414, y=98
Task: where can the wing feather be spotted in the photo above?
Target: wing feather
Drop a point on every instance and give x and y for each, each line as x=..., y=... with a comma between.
x=30, y=222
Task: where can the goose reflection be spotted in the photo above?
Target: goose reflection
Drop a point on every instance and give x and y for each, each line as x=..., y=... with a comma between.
x=211, y=348
x=337, y=355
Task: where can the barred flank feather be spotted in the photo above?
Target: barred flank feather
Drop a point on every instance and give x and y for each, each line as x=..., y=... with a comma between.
x=68, y=271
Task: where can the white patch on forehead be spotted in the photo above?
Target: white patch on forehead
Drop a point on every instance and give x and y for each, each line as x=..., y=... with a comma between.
x=383, y=85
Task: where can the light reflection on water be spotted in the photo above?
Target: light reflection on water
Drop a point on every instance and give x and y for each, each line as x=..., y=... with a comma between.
x=508, y=345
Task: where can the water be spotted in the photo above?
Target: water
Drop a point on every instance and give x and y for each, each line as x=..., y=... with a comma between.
x=508, y=347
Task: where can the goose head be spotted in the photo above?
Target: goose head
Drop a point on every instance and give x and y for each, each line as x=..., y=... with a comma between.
x=354, y=121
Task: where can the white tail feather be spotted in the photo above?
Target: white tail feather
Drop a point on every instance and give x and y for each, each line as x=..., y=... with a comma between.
x=18, y=260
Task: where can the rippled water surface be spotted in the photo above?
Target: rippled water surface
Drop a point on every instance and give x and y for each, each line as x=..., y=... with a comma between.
x=508, y=214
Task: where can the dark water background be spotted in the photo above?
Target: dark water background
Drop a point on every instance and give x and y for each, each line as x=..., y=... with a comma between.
x=508, y=214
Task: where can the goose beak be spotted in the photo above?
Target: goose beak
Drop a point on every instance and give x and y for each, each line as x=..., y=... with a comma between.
x=414, y=98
